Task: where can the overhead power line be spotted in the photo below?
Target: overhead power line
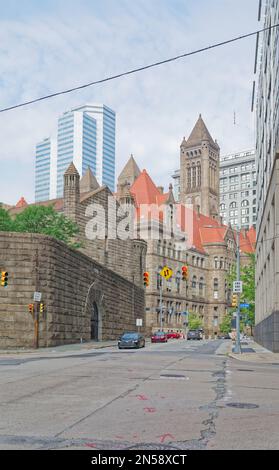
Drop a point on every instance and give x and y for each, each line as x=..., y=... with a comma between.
x=139, y=69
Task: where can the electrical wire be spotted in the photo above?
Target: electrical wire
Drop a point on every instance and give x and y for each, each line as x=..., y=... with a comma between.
x=139, y=69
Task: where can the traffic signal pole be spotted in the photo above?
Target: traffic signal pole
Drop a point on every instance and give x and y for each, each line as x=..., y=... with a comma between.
x=237, y=348
x=161, y=304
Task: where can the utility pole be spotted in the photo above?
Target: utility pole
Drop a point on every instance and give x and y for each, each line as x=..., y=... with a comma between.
x=237, y=348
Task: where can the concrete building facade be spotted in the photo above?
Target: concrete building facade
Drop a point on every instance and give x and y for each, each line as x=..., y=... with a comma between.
x=267, y=157
x=238, y=189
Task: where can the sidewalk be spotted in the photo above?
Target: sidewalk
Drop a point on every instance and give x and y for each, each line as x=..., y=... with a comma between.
x=253, y=352
x=66, y=348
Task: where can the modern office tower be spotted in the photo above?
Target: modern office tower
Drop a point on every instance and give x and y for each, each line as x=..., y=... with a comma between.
x=45, y=170
x=238, y=189
x=84, y=136
x=267, y=162
x=105, y=149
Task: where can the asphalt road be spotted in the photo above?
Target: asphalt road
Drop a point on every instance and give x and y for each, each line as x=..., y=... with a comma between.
x=179, y=395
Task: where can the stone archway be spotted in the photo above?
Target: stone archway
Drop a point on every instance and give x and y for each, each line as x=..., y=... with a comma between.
x=94, y=308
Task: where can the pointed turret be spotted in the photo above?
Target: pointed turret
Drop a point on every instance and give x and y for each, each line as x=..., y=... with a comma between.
x=88, y=182
x=71, y=192
x=199, y=134
x=130, y=172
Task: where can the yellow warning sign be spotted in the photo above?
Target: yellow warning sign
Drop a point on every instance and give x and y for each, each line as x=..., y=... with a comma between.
x=166, y=272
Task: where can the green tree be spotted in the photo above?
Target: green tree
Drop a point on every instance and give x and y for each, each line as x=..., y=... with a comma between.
x=42, y=219
x=248, y=294
x=6, y=223
x=194, y=322
x=225, y=326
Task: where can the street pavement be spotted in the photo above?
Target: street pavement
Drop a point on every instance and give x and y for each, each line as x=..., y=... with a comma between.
x=180, y=395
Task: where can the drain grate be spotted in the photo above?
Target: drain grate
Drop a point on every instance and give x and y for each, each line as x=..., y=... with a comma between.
x=172, y=376
x=245, y=370
x=248, y=406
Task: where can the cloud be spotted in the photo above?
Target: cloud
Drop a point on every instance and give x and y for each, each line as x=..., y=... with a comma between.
x=67, y=45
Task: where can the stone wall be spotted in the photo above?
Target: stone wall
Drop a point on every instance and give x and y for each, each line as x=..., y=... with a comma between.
x=72, y=286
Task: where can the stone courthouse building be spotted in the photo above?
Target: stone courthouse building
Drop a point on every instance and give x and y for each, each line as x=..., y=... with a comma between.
x=97, y=292
x=210, y=253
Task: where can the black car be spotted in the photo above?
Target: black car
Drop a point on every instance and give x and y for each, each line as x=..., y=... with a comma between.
x=131, y=340
x=194, y=334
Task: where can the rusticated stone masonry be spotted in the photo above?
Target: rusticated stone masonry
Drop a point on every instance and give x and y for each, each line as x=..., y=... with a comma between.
x=83, y=299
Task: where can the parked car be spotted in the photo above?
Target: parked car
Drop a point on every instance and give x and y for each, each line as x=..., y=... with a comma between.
x=159, y=337
x=224, y=336
x=131, y=340
x=194, y=334
x=173, y=334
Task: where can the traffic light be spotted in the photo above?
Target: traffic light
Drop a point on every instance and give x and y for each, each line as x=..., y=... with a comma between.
x=234, y=300
x=4, y=278
x=146, y=279
x=184, y=273
x=42, y=308
x=31, y=308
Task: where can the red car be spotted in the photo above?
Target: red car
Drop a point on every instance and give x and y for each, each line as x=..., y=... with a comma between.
x=173, y=334
x=159, y=337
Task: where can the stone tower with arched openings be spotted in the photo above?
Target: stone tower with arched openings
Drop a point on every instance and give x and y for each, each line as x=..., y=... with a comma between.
x=199, y=171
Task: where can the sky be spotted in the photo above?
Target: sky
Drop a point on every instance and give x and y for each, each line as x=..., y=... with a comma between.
x=51, y=45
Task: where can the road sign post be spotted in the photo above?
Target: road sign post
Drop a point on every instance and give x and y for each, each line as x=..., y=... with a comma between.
x=165, y=273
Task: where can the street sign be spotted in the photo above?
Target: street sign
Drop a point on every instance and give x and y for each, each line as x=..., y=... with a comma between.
x=244, y=305
x=139, y=322
x=237, y=287
x=166, y=272
x=37, y=297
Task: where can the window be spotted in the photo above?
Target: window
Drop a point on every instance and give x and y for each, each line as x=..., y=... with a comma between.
x=245, y=203
x=233, y=205
x=215, y=284
x=194, y=282
x=201, y=287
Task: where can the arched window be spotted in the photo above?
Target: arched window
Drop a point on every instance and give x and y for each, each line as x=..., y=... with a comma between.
x=177, y=280
x=194, y=282
x=215, y=284
x=245, y=203
x=194, y=176
x=222, y=207
x=216, y=264
x=159, y=277
x=233, y=205
x=189, y=177
x=199, y=175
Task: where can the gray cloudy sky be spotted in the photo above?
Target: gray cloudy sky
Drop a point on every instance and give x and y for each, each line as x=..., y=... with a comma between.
x=50, y=45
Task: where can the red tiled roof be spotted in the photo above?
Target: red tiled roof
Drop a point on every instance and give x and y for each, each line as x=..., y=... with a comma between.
x=200, y=229
x=247, y=240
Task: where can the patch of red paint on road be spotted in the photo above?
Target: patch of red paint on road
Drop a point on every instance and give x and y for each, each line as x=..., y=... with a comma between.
x=149, y=410
x=141, y=397
x=91, y=445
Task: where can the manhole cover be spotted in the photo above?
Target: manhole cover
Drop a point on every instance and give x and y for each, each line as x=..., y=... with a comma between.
x=248, y=406
x=172, y=376
x=246, y=370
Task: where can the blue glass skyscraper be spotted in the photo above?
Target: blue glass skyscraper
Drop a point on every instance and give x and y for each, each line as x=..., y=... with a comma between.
x=86, y=137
